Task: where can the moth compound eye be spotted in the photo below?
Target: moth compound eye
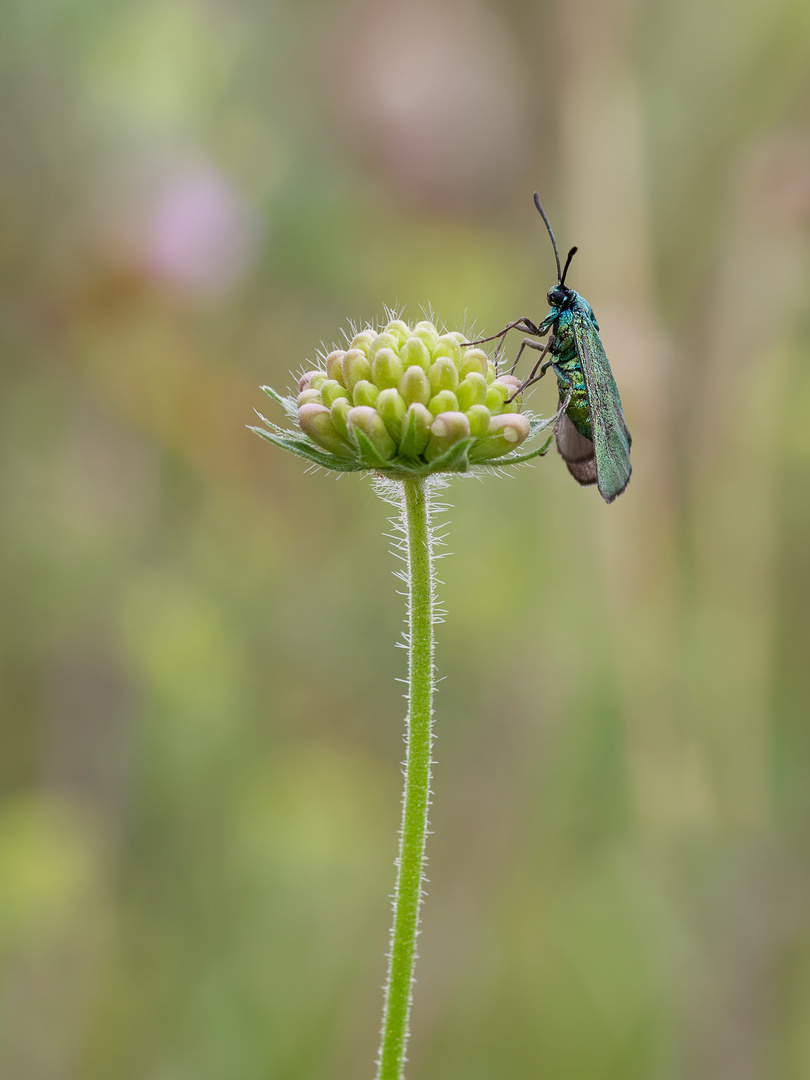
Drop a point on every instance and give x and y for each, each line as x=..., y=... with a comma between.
x=556, y=297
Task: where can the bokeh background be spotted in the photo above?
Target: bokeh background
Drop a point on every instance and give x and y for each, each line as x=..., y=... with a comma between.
x=201, y=728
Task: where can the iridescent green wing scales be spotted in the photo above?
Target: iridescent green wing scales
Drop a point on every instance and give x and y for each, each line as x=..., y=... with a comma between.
x=611, y=439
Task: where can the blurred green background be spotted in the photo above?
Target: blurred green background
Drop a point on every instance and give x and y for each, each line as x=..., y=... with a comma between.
x=201, y=725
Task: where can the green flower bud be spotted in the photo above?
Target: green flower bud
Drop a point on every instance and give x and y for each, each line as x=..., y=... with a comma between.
x=427, y=332
x=316, y=422
x=331, y=391
x=355, y=368
x=307, y=396
x=447, y=345
x=383, y=341
x=479, y=417
x=444, y=401
x=446, y=430
x=505, y=433
x=443, y=375
x=496, y=396
x=365, y=393
x=368, y=421
x=415, y=352
x=474, y=360
x=363, y=340
x=334, y=365
x=398, y=329
x=415, y=430
x=415, y=386
x=316, y=379
x=472, y=390
x=386, y=368
x=339, y=413
x=491, y=372
x=392, y=409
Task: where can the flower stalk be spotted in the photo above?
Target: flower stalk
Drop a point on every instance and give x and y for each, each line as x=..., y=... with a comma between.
x=416, y=798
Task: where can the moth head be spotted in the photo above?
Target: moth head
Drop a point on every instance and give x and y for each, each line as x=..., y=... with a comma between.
x=557, y=296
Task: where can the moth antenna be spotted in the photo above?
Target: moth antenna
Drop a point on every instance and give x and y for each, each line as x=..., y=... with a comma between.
x=571, y=254
x=550, y=233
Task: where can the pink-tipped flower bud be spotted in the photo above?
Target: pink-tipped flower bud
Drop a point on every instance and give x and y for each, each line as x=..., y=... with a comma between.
x=506, y=433
x=316, y=422
x=334, y=365
x=307, y=396
x=446, y=430
x=367, y=420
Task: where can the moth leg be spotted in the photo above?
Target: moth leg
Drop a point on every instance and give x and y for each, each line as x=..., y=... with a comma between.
x=523, y=323
x=533, y=376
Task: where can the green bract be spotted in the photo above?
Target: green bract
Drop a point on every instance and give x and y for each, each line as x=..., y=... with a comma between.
x=406, y=401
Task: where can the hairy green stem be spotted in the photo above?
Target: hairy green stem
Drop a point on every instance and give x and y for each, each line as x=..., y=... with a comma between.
x=416, y=798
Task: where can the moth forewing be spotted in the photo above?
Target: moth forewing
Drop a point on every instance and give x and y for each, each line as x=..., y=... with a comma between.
x=611, y=438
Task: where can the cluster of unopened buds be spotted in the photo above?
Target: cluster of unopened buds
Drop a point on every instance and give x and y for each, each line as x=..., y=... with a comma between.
x=406, y=401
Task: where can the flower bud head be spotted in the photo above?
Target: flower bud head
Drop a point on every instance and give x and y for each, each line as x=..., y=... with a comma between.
x=474, y=360
x=334, y=365
x=444, y=401
x=506, y=432
x=386, y=368
x=446, y=430
x=316, y=422
x=365, y=393
x=406, y=402
x=415, y=386
x=355, y=368
x=415, y=430
x=472, y=390
x=367, y=421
